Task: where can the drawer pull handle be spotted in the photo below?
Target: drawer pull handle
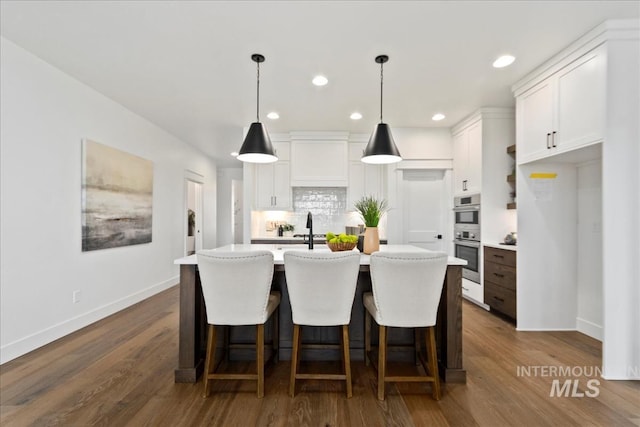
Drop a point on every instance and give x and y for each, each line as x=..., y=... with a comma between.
x=466, y=289
x=499, y=299
x=498, y=256
x=498, y=274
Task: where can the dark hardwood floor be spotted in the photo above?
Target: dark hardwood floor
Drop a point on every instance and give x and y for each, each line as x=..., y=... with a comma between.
x=119, y=372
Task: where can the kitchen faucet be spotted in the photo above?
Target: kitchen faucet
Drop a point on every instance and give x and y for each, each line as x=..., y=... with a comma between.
x=310, y=227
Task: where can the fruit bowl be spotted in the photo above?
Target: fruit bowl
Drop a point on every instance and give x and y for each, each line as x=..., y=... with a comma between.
x=341, y=246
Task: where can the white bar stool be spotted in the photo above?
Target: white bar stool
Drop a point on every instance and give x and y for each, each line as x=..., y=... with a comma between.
x=322, y=286
x=237, y=291
x=406, y=293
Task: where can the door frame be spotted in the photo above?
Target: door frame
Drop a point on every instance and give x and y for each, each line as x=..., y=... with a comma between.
x=190, y=176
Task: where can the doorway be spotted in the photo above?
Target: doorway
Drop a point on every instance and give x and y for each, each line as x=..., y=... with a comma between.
x=193, y=213
x=424, y=209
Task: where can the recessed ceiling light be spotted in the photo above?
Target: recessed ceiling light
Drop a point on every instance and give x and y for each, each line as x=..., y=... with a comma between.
x=355, y=116
x=320, y=80
x=504, y=61
x=273, y=115
x=438, y=116
x=234, y=154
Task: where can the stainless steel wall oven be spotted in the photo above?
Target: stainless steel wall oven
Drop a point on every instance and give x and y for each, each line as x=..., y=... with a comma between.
x=466, y=233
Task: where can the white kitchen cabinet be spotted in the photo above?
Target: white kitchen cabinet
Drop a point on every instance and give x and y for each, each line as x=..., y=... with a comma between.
x=364, y=179
x=319, y=163
x=565, y=111
x=467, y=159
x=273, y=186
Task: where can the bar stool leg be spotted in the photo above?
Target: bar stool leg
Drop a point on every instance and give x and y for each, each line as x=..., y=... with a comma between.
x=433, y=361
x=382, y=360
x=347, y=359
x=294, y=359
x=210, y=360
x=260, y=358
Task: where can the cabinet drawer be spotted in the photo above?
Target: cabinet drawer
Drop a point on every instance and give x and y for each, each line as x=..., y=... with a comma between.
x=500, y=299
x=499, y=274
x=500, y=256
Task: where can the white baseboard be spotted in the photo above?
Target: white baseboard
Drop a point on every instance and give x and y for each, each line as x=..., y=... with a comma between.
x=29, y=343
x=589, y=328
x=544, y=329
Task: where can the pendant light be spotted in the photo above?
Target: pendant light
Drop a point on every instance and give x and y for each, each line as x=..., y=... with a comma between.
x=257, y=147
x=381, y=148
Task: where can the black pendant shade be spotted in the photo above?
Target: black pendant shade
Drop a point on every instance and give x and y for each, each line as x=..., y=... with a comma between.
x=381, y=148
x=257, y=147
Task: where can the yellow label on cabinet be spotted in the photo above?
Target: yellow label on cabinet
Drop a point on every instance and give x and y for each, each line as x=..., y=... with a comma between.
x=543, y=175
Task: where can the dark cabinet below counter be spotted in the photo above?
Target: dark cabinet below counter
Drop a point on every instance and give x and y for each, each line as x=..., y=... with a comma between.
x=500, y=280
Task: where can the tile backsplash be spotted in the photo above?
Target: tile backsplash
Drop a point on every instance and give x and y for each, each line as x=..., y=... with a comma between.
x=326, y=204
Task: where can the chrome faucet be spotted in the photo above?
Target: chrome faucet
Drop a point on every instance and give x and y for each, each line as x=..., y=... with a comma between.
x=310, y=227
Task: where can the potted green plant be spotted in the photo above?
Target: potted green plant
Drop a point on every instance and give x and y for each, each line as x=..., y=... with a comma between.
x=371, y=210
x=288, y=229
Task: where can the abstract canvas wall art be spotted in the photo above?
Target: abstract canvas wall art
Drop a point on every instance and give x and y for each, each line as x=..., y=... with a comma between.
x=117, y=197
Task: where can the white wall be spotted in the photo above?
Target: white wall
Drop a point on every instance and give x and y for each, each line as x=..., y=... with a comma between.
x=45, y=114
x=225, y=206
x=589, y=274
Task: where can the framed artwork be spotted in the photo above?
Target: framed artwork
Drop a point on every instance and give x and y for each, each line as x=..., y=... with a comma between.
x=117, y=197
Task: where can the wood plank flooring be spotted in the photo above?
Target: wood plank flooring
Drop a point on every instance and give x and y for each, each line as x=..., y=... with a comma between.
x=119, y=372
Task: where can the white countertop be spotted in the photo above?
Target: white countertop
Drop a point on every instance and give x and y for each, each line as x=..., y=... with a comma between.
x=501, y=246
x=278, y=252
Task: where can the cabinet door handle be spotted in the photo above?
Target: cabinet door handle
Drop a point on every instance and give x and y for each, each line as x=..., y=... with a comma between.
x=498, y=256
x=498, y=298
x=548, y=136
x=553, y=139
x=464, y=185
x=466, y=289
x=275, y=200
x=498, y=274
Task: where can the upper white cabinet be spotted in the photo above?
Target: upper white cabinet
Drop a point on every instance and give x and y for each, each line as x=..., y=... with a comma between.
x=364, y=179
x=564, y=111
x=273, y=187
x=319, y=162
x=467, y=158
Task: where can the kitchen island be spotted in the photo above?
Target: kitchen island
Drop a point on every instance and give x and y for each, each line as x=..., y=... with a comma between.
x=192, y=338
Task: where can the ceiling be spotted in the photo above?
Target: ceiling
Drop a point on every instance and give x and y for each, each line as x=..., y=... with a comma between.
x=185, y=65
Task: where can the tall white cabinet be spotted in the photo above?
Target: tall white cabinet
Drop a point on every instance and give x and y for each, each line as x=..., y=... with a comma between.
x=577, y=156
x=480, y=165
x=272, y=181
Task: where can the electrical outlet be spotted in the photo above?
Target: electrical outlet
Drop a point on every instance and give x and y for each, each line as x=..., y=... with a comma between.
x=76, y=296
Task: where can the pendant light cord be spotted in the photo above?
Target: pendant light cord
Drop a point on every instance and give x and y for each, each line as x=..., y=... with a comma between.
x=258, y=92
x=381, y=78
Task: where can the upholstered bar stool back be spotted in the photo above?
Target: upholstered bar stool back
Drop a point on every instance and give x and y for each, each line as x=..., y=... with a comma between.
x=406, y=292
x=237, y=291
x=321, y=287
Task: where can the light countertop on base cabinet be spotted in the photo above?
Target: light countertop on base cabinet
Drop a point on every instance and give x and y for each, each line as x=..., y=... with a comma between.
x=501, y=246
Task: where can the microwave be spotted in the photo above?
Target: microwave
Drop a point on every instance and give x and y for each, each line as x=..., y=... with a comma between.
x=467, y=210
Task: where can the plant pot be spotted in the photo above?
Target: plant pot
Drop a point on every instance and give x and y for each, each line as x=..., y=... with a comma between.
x=371, y=240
